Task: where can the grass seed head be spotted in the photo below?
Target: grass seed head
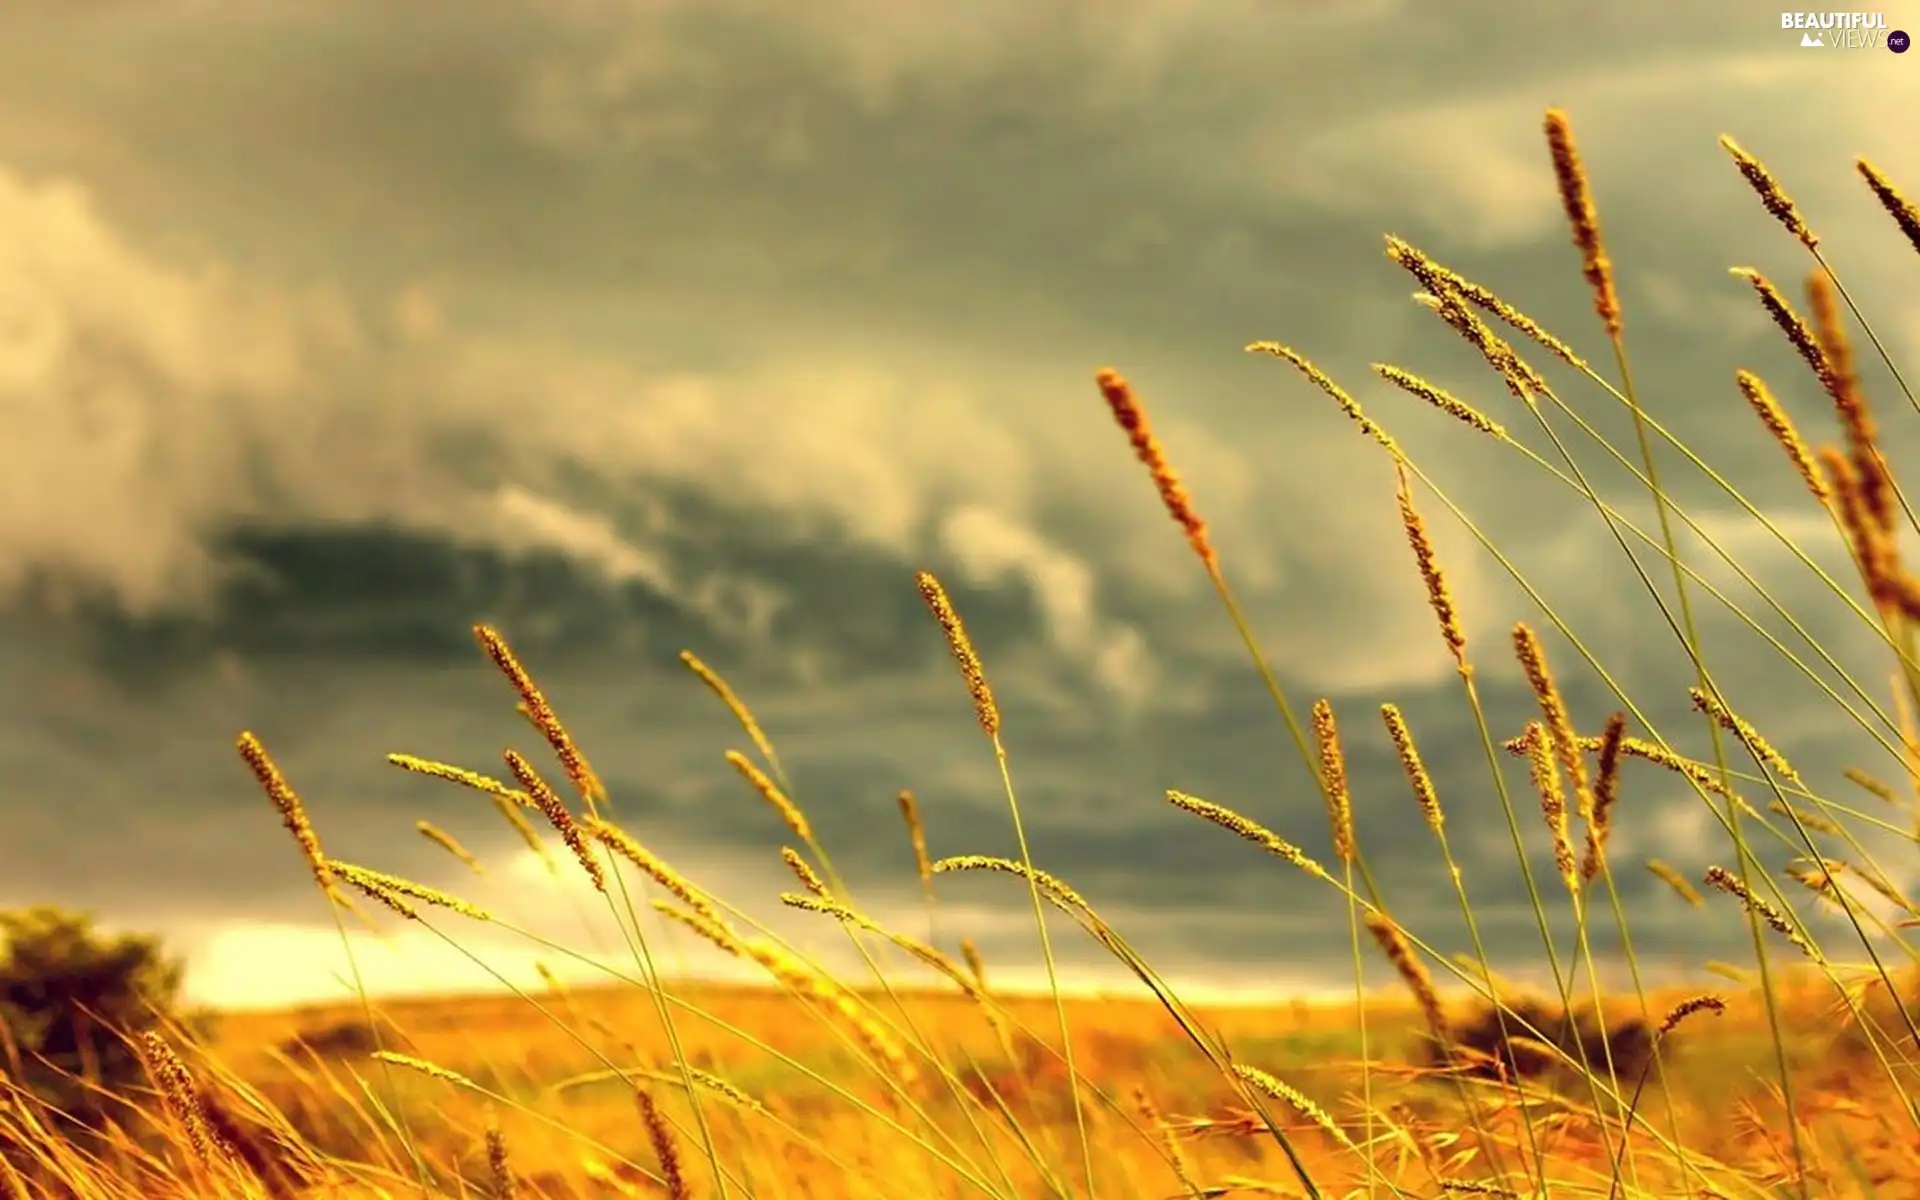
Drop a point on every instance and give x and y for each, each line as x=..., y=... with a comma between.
x=1393, y=942
x=1775, y=418
x=1606, y=790
x=1416, y=771
x=1131, y=416
x=550, y=806
x=1771, y=194
x=1325, y=383
x=1439, y=596
x=1576, y=197
x=984, y=709
x=1439, y=398
x=293, y=813
x=778, y=800
x=1798, y=333
x=1681, y=885
x=579, y=772
x=1333, y=776
x=1557, y=724
x=1898, y=206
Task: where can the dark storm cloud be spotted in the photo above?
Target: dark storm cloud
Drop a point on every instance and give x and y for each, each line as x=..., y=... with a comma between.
x=640, y=326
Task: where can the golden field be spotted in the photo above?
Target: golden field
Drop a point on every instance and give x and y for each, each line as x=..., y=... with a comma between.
x=1792, y=1074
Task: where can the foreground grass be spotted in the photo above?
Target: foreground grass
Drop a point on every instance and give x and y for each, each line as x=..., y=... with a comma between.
x=1796, y=1079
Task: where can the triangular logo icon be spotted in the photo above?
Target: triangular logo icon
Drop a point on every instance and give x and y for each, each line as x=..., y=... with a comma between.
x=1811, y=39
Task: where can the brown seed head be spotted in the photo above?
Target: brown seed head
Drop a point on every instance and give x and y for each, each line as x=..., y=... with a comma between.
x=1689, y=1007
x=292, y=812
x=1545, y=774
x=1782, y=428
x=1898, y=207
x=1436, y=278
x=450, y=844
x=735, y=705
x=1576, y=196
x=1243, y=827
x=804, y=872
x=1738, y=726
x=550, y=806
x=1681, y=885
x=579, y=772
x=1723, y=879
x=1863, y=435
x=1770, y=192
x=1606, y=790
x=1393, y=942
x=1131, y=416
x=1798, y=333
x=665, y=1146
x=984, y=708
x=795, y=820
x=1553, y=712
x=618, y=840
x=917, y=834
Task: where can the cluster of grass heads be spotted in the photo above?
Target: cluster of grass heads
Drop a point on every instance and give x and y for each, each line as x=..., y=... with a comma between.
x=824, y=1086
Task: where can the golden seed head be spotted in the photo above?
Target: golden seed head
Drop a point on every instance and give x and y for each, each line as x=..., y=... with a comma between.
x=796, y=821
x=431, y=1069
x=1131, y=416
x=378, y=884
x=1849, y=402
x=1723, y=879
x=1606, y=789
x=1333, y=777
x=1689, y=1007
x=293, y=813
x=1872, y=786
x=1521, y=379
x=1290, y=1095
x=666, y=1147
x=1733, y=723
x=1436, y=279
x=1393, y=942
x=618, y=840
x=917, y=834
x=450, y=844
x=984, y=709
x=1576, y=196
x=1250, y=830
x=1554, y=717
x=708, y=927
x=1050, y=887
x=544, y=799
x=1775, y=418
x=579, y=772
x=1898, y=206
x=1320, y=379
x=1439, y=596
x=1680, y=884
x=1441, y=399
x=735, y=705
x=1545, y=773
x=1416, y=770
x=804, y=872
x=977, y=965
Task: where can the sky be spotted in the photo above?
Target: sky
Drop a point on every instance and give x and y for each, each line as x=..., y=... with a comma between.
x=634, y=326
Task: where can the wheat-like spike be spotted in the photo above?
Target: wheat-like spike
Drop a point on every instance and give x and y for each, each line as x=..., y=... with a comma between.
x=1176, y=1153
x=1721, y=878
x=970, y=951
x=811, y=983
x=293, y=813
x=1856, y=418
x=1440, y=398
x=460, y=775
x=709, y=927
x=1817, y=876
x=425, y=1067
x=719, y=1086
x=1436, y=278
x=917, y=834
x=1606, y=790
x=1681, y=885
x=370, y=881
x=381, y=893
x=1452, y=307
x=738, y=707
x=1873, y=549
x=544, y=799
x=1416, y=771
x=929, y=955
x=1775, y=418
x=182, y=1098
x=1333, y=773
x=1439, y=596
x=652, y=865
x=1131, y=416
x=1399, y=951
x=1813, y=821
x=1738, y=726
x=579, y=772
x=984, y=709
x=1052, y=888
x=1576, y=196
x=1771, y=194
x=450, y=844
x=499, y=1168
x=665, y=1147
x=1689, y=1007
x=778, y=800
x=1798, y=333
x=1321, y=380
x=513, y=815
x=1252, y=831
x=1871, y=785
x=1556, y=722
x=1287, y=1094
x=804, y=873
x=1545, y=773
x=1898, y=207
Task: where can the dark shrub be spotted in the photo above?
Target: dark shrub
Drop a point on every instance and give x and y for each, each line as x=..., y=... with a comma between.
x=1519, y=1042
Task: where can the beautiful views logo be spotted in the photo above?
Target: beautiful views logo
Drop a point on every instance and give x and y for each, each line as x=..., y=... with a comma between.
x=1841, y=30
